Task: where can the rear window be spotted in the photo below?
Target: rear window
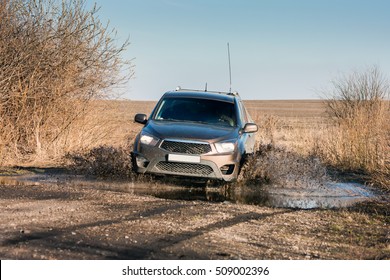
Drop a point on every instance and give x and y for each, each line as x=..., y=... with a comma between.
x=197, y=110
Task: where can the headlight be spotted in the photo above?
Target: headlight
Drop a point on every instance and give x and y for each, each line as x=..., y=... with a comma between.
x=225, y=147
x=148, y=140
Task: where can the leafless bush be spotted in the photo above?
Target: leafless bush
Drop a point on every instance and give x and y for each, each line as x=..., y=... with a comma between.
x=360, y=137
x=55, y=57
x=359, y=93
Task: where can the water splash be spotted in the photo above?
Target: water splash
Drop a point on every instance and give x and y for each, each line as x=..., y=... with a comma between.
x=328, y=195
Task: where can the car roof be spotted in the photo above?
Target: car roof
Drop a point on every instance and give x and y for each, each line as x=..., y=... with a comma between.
x=220, y=96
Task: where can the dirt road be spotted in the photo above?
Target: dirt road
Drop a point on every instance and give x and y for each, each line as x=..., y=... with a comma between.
x=68, y=220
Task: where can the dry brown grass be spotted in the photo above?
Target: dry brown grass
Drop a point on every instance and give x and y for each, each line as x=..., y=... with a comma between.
x=358, y=144
x=359, y=138
x=296, y=124
x=105, y=123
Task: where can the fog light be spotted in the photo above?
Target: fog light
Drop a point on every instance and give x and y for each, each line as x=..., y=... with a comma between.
x=227, y=169
x=141, y=161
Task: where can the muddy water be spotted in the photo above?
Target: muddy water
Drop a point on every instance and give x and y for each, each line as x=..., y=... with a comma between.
x=328, y=195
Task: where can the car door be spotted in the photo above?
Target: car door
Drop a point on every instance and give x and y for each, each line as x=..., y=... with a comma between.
x=248, y=138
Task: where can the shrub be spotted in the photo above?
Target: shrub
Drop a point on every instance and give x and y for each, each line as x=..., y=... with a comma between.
x=359, y=139
x=55, y=57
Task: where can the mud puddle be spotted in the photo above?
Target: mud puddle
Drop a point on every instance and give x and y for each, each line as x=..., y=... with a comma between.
x=328, y=195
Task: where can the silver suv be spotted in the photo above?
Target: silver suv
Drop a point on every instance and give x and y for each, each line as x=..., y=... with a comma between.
x=195, y=134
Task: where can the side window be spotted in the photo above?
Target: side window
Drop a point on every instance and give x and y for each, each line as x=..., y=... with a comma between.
x=248, y=117
x=243, y=113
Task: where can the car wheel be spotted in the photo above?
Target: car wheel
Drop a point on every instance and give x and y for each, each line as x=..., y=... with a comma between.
x=244, y=167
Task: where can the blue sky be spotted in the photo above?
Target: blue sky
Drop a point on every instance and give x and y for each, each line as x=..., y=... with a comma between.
x=279, y=49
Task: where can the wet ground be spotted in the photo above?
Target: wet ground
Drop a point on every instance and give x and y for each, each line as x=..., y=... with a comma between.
x=47, y=214
x=324, y=196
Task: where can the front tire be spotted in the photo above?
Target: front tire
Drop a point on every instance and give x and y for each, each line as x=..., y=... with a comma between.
x=244, y=167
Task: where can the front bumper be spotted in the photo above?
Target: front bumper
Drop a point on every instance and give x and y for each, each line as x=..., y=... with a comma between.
x=154, y=160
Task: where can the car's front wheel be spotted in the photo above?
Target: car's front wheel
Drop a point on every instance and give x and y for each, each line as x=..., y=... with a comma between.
x=246, y=161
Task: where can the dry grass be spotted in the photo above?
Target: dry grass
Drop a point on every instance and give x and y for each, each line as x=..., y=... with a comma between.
x=105, y=123
x=101, y=144
x=359, y=139
x=358, y=144
x=295, y=124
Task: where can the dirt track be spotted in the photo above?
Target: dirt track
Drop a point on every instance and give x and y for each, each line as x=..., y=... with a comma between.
x=66, y=220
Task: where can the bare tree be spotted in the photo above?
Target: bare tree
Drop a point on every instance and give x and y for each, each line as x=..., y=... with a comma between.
x=55, y=57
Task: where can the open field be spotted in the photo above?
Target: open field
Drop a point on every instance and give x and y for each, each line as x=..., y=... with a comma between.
x=61, y=215
x=119, y=115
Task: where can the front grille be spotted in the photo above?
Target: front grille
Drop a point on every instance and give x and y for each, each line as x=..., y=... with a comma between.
x=186, y=147
x=185, y=168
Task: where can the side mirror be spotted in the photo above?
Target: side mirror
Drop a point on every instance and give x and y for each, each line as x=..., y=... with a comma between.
x=250, y=128
x=141, y=118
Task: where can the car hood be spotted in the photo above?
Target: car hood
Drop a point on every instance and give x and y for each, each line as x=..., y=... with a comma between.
x=190, y=131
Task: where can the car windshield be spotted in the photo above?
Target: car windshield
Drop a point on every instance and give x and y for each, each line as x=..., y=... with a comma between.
x=197, y=110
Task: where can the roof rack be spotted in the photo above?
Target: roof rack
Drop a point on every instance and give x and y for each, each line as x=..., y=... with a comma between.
x=235, y=93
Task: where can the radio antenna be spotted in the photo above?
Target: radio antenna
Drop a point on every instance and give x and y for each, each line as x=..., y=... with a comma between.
x=230, y=69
